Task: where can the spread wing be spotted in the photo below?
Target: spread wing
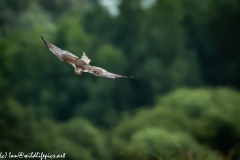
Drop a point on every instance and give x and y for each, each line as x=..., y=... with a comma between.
x=71, y=58
x=97, y=71
x=61, y=54
x=85, y=58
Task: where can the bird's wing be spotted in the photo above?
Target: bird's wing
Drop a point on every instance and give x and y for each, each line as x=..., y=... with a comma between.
x=85, y=58
x=97, y=71
x=61, y=54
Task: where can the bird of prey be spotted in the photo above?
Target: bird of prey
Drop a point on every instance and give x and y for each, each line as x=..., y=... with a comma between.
x=80, y=64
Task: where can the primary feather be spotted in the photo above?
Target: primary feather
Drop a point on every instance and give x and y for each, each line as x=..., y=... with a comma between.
x=80, y=65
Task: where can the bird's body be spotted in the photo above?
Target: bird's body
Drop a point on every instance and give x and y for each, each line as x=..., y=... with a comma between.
x=80, y=64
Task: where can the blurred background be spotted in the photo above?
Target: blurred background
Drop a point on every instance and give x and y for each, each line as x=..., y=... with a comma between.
x=184, y=100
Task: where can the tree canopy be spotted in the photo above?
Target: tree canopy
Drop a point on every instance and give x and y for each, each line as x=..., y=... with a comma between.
x=183, y=102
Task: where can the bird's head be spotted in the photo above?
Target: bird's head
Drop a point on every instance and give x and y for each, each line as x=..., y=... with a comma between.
x=78, y=71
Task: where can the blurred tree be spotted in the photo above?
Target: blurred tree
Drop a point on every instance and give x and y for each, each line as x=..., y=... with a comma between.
x=159, y=143
x=210, y=115
x=14, y=123
x=214, y=31
x=98, y=22
x=171, y=63
x=168, y=45
x=60, y=8
x=81, y=133
x=22, y=132
x=9, y=11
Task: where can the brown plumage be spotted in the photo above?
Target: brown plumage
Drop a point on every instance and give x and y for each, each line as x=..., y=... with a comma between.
x=80, y=65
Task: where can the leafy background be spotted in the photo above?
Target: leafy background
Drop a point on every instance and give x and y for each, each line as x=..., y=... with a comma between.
x=183, y=102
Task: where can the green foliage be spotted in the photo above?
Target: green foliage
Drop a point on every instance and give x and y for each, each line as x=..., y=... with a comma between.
x=167, y=46
x=86, y=136
x=209, y=115
x=214, y=110
x=160, y=143
x=112, y=58
x=15, y=122
x=77, y=138
x=214, y=33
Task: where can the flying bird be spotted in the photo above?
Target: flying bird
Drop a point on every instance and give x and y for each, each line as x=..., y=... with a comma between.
x=80, y=64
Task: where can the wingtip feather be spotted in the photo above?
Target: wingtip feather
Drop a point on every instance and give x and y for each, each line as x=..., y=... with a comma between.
x=45, y=41
x=130, y=77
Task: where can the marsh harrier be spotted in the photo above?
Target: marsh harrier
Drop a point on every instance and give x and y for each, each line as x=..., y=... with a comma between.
x=80, y=64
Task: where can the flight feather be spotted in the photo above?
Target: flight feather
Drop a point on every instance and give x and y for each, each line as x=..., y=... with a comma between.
x=80, y=65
